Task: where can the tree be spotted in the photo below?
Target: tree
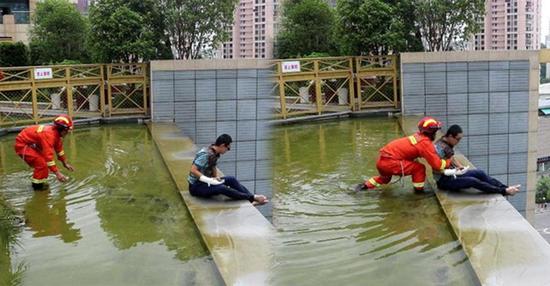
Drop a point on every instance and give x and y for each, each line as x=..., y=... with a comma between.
x=13, y=54
x=543, y=190
x=370, y=27
x=307, y=28
x=444, y=23
x=127, y=31
x=196, y=26
x=59, y=33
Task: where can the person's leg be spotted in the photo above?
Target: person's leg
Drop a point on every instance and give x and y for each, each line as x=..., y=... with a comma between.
x=418, y=173
x=481, y=175
x=40, y=175
x=385, y=168
x=200, y=189
x=469, y=181
x=235, y=184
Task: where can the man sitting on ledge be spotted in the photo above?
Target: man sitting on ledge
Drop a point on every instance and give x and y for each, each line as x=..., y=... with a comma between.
x=204, y=180
x=460, y=177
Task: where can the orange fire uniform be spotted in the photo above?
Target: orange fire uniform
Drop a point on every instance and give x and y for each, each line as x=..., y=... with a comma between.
x=397, y=159
x=36, y=145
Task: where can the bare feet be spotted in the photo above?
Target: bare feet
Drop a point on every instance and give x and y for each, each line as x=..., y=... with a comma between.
x=260, y=200
x=512, y=190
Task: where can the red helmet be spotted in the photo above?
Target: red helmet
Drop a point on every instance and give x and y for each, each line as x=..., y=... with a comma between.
x=429, y=125
x=63, y=121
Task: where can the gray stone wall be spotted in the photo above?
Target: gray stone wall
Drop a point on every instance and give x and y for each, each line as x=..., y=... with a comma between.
x=205, y=103
x=489, y=100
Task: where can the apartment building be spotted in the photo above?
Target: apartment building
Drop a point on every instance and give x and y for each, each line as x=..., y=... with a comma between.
x=15, y=18
x=509, y=25
x=253, y=30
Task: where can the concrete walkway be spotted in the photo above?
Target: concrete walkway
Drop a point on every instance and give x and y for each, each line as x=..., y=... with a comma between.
x=503, y=248
x=235, y=232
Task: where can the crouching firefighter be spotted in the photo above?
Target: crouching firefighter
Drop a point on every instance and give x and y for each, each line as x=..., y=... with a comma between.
x=397, y=158
x=37, y=144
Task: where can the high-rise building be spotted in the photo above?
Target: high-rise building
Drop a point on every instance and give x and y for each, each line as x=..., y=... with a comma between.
x=15, y=19
x=252, y=33
x=509, y=25
x=547, y=44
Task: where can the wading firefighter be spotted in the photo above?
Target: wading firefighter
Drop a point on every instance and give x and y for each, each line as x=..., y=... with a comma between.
x=397, y=158
x=37, y=146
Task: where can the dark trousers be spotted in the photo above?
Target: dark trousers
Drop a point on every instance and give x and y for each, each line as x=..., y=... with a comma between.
x=231, y=188
x=476, y=179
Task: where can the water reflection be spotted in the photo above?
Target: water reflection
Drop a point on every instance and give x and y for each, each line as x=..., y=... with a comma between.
x=330, y=235
x=46, y=215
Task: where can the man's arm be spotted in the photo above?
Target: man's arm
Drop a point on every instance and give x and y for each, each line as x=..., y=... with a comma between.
x=427, y=151
x=61, y=155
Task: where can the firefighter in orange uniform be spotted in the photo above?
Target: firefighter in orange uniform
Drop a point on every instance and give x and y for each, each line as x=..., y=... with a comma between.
x=397, y=158
x=37, y=144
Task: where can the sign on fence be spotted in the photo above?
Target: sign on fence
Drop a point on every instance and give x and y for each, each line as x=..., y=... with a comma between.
x=43, y=73
x=291, y=66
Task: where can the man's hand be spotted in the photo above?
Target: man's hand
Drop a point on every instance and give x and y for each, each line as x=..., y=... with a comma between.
x=209, y=180
x=68, y=166
x=60, y=177
x=450, y=172
x=462, y=171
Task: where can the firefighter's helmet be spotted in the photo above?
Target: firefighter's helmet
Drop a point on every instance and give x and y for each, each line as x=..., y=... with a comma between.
x=429, y=125
x=63, y=121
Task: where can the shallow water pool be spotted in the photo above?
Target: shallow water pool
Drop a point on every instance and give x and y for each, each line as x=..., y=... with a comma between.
x=329, y=235
x=118, y=221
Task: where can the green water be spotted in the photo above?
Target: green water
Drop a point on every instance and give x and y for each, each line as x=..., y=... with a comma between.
x=119, y=221
x=328, y=235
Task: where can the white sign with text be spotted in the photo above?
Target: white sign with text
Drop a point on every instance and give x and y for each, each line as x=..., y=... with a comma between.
x=43, y=73
x=291, y=66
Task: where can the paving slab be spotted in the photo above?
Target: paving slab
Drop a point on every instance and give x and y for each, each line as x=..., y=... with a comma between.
x=502, y=246
x=236, y=233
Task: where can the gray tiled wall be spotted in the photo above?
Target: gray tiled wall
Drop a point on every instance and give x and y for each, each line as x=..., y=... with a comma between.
x=206, y=103
x=489, y=99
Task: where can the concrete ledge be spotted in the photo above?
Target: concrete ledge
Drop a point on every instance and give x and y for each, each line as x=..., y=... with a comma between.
x=503, y=248
x=235, y=232
x=210, y=64
x=335, y=115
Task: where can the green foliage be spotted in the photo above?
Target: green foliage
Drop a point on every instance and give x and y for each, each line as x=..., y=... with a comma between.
x=197, y=26
x=543, y=190
x=372, y=27
x=9, y=235
x=127, y=31
x=307, y=27
x=13, y=54
x=446, y=23
x=59, y=33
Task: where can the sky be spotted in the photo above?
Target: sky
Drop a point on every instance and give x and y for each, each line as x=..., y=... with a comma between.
x=545, y=18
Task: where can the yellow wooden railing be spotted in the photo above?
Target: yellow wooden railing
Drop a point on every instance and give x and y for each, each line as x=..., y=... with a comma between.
x=35, y=94
x=335, y=84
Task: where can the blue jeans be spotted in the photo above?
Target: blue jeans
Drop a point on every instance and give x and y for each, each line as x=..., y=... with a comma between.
x=476, y=179
x=231, y=188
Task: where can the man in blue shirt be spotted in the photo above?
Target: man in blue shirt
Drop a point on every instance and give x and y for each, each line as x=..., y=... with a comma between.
x=460, y=177
x=204, y=180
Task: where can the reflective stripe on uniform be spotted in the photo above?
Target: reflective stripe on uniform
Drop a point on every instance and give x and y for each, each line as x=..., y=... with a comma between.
x=412, y=139
x=51, y=163
x=62, y=118
x=418, y=185
x=374, y=182
x=38, y=181
x=61, y=153
x=443, y=165
x=40, y=129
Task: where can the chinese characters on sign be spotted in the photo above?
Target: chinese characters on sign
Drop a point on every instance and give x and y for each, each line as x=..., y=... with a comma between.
x=292, y=66
x=43, y=73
